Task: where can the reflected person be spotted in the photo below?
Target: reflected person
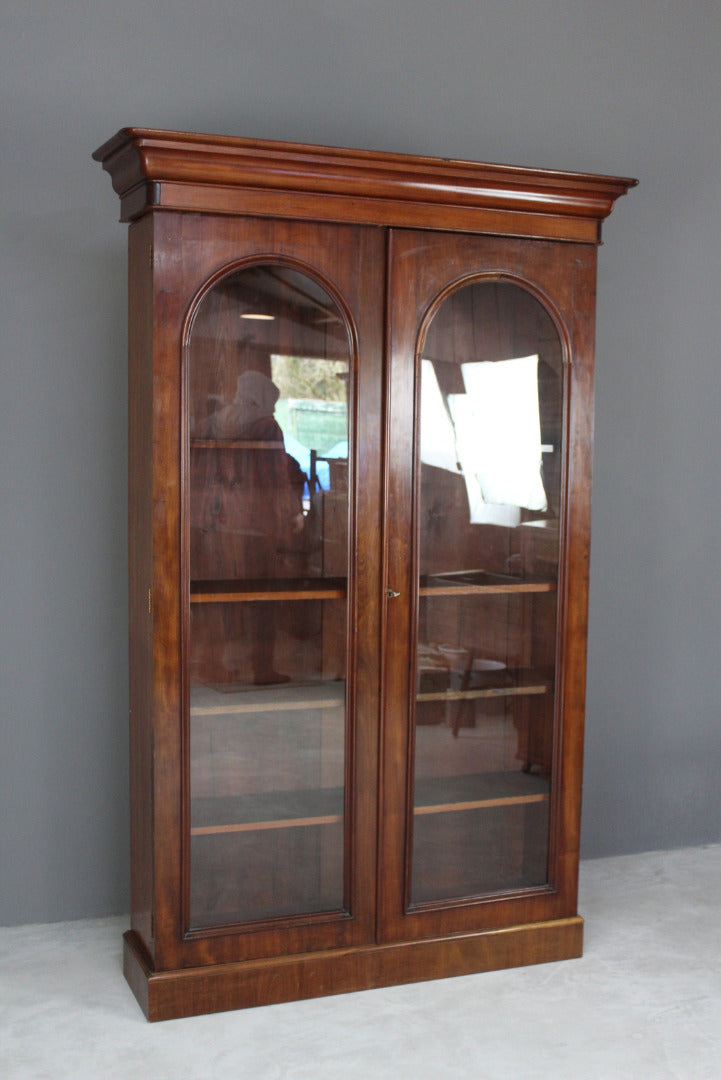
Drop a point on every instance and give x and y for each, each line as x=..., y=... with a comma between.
x=256, y=506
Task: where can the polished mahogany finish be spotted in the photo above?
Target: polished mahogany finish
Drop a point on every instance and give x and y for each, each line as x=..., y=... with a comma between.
x=361, y=396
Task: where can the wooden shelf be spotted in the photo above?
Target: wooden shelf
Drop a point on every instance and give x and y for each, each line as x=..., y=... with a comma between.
x=483, y=684
x=478, y=582
x=208, y=701
x=266, y=810
x=450, y=794
x=235, y=444
x=267, y=589
x=463, y=583
x=241, y=708
x=324, y=806
x=486, y=692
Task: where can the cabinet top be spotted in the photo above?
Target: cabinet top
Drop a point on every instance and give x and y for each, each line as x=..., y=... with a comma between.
x=186, y=171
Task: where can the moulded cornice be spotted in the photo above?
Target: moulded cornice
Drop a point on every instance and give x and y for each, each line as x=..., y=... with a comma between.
x=186, y=171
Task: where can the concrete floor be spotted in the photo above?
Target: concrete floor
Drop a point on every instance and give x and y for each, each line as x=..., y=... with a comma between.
x=644, y=1003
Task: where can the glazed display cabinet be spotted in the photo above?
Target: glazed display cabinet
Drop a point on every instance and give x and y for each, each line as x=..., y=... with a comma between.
x=360, y=456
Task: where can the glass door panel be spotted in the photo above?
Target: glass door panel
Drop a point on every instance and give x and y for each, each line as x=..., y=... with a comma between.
x=489, y=459
x=268, y=384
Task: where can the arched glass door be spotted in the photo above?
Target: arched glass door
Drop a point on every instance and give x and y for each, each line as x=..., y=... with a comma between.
x=269, y=398
x=488, y=467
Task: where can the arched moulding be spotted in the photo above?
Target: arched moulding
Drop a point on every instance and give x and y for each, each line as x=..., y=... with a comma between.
x=489, y=276
x=271, y=260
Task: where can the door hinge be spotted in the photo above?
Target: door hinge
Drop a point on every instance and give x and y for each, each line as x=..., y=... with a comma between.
x=150, y=601
x=150, y=256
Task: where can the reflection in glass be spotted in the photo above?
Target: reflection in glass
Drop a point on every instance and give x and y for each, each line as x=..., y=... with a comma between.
x=490, y=433
x=268, y=376
x=490, y=452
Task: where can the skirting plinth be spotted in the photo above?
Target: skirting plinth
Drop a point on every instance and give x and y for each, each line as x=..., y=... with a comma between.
x=167, y=995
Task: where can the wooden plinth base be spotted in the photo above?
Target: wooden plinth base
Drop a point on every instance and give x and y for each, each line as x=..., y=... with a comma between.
x=168, y=995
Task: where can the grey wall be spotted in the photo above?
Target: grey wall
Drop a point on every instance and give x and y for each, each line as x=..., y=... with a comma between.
x=617, y=86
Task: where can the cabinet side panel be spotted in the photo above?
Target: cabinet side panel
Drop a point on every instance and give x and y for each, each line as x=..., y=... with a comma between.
x=574, y=630
x=140, y=539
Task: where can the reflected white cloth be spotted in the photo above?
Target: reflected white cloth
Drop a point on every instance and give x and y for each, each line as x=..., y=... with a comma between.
x=493, y=430
x=507, y=430
x=482, y=512
x=255, y=398
x=438, y=438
